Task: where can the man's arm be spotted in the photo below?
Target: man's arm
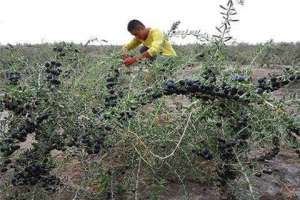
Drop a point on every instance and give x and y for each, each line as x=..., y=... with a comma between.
x=130, y=60
x=132, y=44
x=143, y=56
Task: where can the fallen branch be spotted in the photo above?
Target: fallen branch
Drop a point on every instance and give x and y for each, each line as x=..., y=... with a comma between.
x=137, y=181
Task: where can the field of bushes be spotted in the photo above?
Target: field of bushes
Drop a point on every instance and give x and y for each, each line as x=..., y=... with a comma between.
x=77, y=124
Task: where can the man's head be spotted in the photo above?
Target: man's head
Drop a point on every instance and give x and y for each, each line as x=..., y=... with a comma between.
x=138, y=29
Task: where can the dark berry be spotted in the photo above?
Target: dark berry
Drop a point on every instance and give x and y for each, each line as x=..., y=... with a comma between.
x=259, y=90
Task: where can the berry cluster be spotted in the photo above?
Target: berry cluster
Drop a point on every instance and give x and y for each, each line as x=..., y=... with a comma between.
x=63, y=49
x=197, y=89
x=34, y=174
x=241, y=127
x=4, y=165
x=204, y=153
x=24, y=127
x=18, y=106
x=92, y=144
x=275, y=83
x=112, y=99
x=53, y=71
x=272, y=153
x=13, y=77
x=225, y=170
x=59, y=51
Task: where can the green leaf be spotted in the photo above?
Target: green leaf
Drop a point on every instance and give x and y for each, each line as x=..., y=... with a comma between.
x=230, y=3
x=227, y=39
x=217, y=36
x=223, y=7
x=219, y=29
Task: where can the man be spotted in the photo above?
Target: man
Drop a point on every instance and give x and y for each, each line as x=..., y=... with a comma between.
x=155, y=43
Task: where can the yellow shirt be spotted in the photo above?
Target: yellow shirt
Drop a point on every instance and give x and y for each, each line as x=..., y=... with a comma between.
x=156, y=41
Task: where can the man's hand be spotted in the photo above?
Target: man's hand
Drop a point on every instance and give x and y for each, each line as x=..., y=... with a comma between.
x=129, y=61
x=124, y=56
x=125, y=53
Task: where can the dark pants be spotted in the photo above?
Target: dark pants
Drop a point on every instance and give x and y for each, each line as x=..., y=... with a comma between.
x=144, y=49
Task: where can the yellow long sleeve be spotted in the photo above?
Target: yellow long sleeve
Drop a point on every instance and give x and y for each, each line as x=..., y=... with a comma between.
x=132, y=44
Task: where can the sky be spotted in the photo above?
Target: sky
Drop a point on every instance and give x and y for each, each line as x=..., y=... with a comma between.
x=38, y=21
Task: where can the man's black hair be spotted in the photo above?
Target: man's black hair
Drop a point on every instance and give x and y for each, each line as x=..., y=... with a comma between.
x=134, y=24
